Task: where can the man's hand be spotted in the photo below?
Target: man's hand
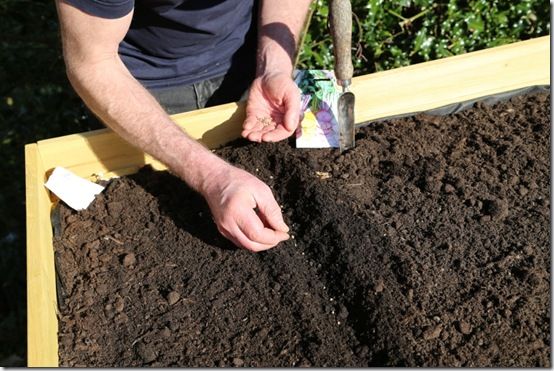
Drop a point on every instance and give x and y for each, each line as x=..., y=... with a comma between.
x=273, y=108
x=244, y=209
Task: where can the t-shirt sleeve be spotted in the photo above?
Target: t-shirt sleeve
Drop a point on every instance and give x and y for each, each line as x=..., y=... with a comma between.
x=110, y=9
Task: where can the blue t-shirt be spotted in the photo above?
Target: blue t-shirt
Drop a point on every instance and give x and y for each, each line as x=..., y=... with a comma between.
x=179, y=42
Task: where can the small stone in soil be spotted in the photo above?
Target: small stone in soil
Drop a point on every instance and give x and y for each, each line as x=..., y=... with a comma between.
x=343, y=312
x=523, y=191
x=465, y=328
x=238, y=362
x=146, y=353
x=380, y=286
x=174, y=326
x=173, y=297
x=432, y=332
x=449, y=188
x=165, y=332
x=485, y=219
x=304, y=363
x=129, y=260
x=119, y=304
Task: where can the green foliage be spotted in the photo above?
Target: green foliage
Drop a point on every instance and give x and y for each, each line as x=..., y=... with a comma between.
x=389, y=34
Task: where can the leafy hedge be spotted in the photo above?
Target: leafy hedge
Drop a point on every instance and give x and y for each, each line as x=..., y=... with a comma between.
x=390, y=34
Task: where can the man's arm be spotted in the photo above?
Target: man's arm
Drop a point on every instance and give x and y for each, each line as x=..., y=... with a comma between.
x=273, y=108
x=99, y=76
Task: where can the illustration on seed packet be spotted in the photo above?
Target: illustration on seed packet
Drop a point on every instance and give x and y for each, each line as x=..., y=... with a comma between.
x=319, y=95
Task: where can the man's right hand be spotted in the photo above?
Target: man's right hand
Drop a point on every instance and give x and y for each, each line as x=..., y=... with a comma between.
x=244, y=209
x=243, y=206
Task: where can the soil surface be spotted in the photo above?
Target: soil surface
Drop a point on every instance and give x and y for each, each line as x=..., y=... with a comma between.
x=426, y=245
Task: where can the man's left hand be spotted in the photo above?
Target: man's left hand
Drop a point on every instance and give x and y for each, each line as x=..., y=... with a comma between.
x=273, y=108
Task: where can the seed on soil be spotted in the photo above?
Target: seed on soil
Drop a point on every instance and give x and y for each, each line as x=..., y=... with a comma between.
x=173, y=297
x=129, y=260
x=323, y=175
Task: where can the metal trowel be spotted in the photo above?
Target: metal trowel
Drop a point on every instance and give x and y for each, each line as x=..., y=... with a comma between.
x=341, y=32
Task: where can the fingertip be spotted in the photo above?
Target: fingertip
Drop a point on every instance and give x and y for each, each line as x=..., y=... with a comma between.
x=254, y=137
x=276, y=135
x=292, y=119
x=248, y=124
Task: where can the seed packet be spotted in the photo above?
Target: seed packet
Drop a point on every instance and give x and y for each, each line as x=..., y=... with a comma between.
x=319, y=127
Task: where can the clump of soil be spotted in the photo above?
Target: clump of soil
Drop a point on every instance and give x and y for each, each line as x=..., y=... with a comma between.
x=426, y=245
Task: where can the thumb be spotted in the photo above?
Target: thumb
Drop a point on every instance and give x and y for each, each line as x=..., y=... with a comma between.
x=270, y=212
x=292, y=108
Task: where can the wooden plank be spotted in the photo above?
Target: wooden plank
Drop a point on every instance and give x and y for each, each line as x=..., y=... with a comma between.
x=451, y=80
x=42, y=324
x=102, y=151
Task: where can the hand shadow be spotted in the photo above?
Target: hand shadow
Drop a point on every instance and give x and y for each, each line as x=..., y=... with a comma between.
x=185, y=207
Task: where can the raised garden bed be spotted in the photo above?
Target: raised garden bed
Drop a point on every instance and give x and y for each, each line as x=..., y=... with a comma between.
x=426, y=245
x=102, y=154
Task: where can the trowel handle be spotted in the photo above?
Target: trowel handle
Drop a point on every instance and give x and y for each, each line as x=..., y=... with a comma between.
x=341, y=31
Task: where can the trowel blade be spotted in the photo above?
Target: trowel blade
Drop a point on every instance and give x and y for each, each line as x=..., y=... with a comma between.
x=346, y=120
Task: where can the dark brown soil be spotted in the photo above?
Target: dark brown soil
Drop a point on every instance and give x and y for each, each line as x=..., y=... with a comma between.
x=427, y=245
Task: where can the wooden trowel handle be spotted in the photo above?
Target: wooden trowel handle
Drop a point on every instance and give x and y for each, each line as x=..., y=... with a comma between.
x=341, y=31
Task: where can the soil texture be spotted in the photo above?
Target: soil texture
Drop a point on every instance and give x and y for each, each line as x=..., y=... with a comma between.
x=428, y=244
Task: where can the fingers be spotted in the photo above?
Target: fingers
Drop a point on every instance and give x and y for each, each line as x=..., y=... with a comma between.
x=249, y=232
x=256, y=134
x=257, y=130
x=254, y=230
x=250, y=123
x=270, y=212
x=279, y=133
x=242, y=241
